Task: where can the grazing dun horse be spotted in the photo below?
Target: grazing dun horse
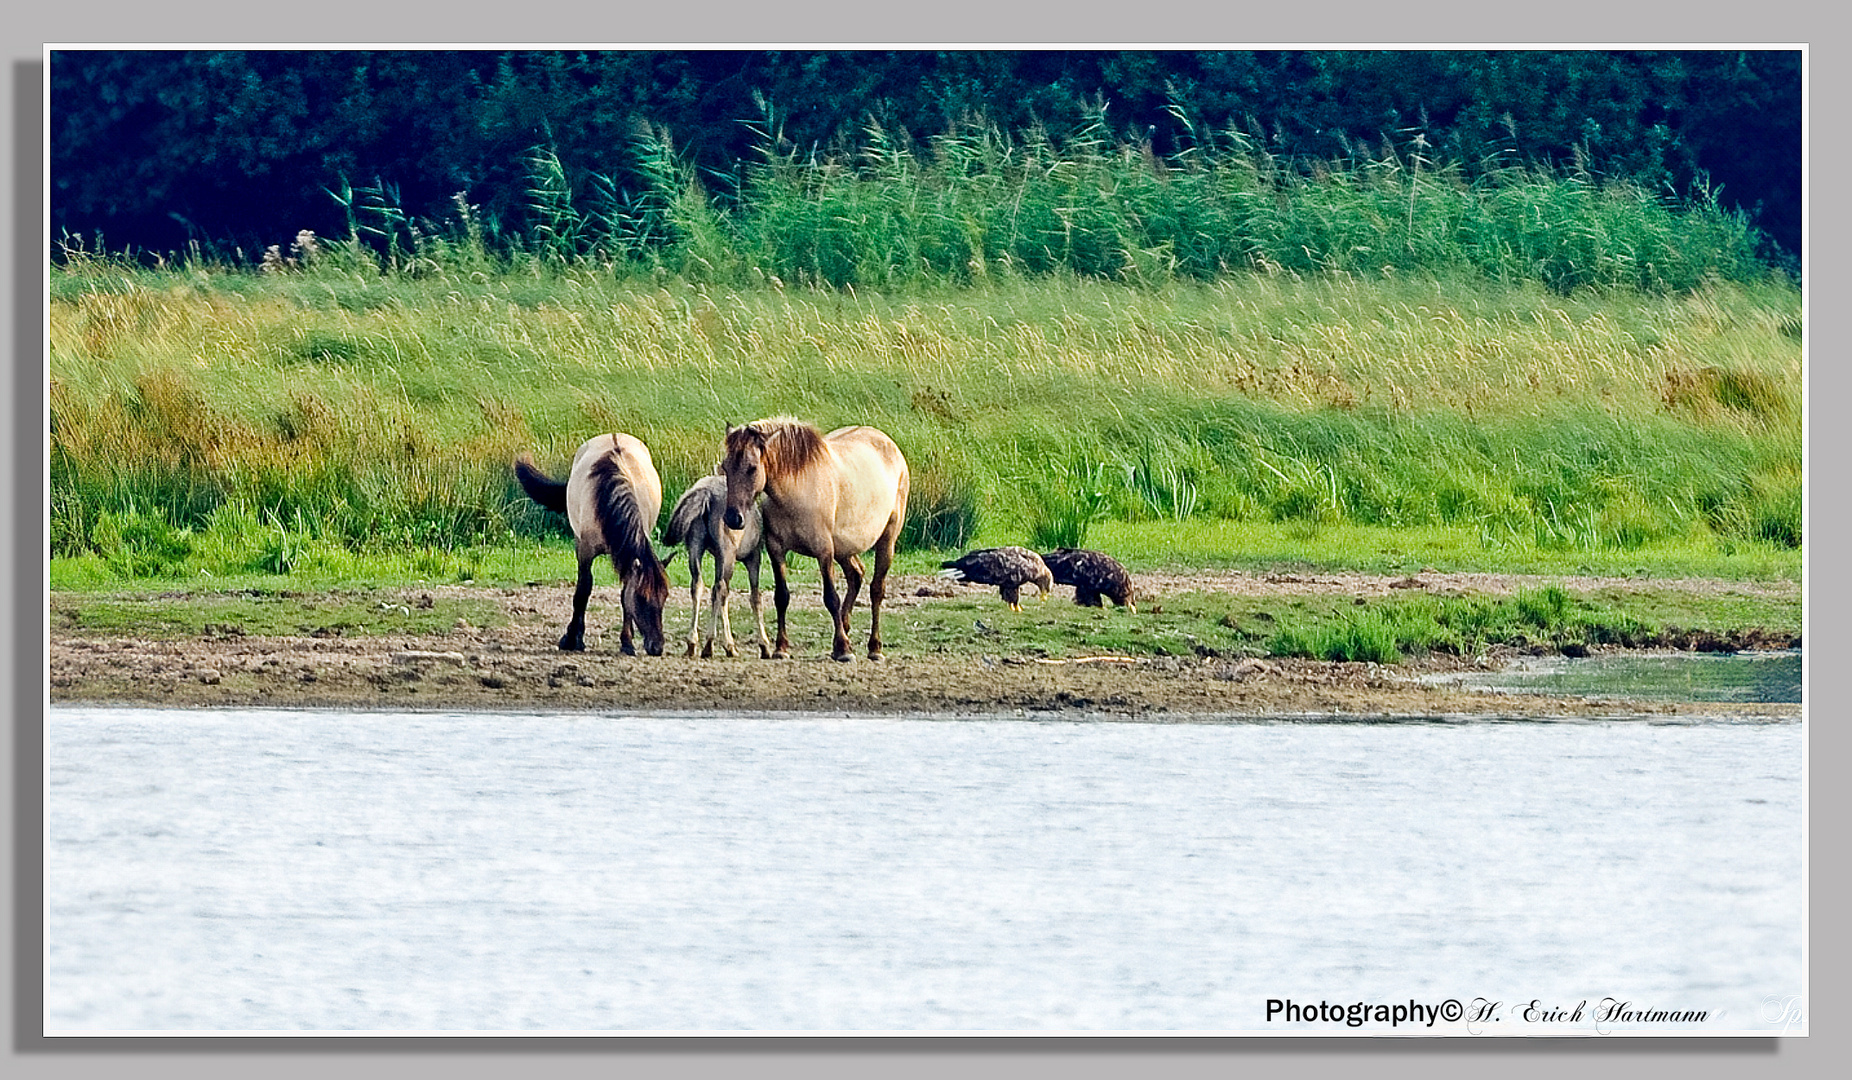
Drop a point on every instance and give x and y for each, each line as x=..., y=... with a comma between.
x=611, y=499
x=697, y=522
x=830, y=497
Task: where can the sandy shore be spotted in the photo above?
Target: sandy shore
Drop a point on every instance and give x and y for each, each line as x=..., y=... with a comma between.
x=518, y=667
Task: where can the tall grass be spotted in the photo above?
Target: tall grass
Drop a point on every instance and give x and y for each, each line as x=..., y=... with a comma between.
x=210, y=417
x=979, y=203
x=976, y=203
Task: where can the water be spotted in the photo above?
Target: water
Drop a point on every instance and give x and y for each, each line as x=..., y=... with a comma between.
x=278, y=870
x=1742, y=677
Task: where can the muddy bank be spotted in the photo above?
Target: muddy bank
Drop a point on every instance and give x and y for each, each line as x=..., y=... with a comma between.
x=517, y=666
x=438, y=674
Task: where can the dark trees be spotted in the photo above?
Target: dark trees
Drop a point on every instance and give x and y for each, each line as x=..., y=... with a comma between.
x=156, y=148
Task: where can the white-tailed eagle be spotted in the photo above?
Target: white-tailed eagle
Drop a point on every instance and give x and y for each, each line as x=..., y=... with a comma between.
x=1093, y=575
x=1008, y=568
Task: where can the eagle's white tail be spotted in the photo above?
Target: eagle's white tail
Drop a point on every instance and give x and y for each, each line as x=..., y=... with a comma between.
x=952, y=573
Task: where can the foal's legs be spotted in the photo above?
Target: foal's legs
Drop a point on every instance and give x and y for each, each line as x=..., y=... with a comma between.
x=694, y=594
x=574, y=638
x=718, y=617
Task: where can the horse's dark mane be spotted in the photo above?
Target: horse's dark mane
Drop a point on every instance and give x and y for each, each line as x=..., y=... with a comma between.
x=791, y=445
x=623, y=527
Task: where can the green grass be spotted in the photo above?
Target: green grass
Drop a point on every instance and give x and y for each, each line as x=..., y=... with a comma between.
x=205, y=420
x=1199, y=624
x=1145, y=546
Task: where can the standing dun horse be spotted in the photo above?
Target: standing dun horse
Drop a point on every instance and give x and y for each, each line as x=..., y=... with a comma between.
x=830, y=497
x=697, y=522
x=611, y=499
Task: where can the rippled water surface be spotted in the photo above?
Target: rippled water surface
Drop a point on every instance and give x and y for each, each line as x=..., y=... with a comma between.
x=279, y=870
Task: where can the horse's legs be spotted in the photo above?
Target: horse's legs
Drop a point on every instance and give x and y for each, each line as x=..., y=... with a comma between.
x=781, y=596
x=694, y=594
x=877, y=586
x=758, y=612
x=839, y=648
x=574, y=638
x=626, y=641
x=852, y=574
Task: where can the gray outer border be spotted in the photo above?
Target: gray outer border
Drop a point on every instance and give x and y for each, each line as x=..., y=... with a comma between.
x=835, y=22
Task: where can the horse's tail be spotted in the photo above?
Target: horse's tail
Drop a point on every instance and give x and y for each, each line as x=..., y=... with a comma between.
x=539, y=487
x=615, y=503
x=689, y=510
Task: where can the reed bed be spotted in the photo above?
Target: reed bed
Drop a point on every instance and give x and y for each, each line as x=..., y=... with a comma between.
x=975, y=204
x=979, y=202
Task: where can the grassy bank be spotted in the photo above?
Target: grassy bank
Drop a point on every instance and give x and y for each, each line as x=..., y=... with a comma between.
x=334, y=419
x=1328, y=625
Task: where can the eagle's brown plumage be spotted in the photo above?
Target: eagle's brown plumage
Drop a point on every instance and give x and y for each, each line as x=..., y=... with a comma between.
x=1094, y=575
x=1008, y=568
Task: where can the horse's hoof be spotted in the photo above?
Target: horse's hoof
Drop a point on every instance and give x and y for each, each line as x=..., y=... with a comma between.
x=572, y=645
x=764, y=653
x=844, y=657
x=780, y=654
x=628, y=649
x=691, y=649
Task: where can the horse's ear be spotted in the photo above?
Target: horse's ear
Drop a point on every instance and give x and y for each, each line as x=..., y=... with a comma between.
x=670, y=558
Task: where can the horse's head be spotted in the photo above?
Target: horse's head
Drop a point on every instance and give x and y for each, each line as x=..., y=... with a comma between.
x=646, y=593
x=744, y=468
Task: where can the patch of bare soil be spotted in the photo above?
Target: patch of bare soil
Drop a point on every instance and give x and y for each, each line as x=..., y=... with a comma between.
x=519, y=667
x=1289, y=583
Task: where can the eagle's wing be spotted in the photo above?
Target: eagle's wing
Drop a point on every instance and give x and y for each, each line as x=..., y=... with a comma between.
x=978, y=567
